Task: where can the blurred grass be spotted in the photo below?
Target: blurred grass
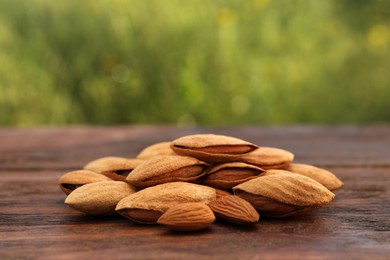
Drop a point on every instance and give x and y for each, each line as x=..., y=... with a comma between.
x=194, y=62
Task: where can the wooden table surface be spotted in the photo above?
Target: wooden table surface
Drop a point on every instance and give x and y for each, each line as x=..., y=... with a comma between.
x=35, y=222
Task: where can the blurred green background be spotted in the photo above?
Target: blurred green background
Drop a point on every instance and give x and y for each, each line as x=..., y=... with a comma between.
x=194, y=62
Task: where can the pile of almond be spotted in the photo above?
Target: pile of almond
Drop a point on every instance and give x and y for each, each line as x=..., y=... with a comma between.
x=187, y=183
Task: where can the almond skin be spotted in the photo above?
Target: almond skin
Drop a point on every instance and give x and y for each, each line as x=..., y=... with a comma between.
x=235, y=210
x=162, y=148
x=187, y=217
x=326, y=178
x=100, y=164
x=212, y=148
x=268, y=158
x=116, y=168
x=272, y=208
x=168, y=168
x=227, y=175
x=147, y=205
x=221, y=193
x=283, y=194
x=99, y=198
x=74, y=179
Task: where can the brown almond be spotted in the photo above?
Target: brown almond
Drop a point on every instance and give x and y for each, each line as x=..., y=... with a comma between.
x=212, y=148
x=273, y=208
x=272, y=172
x=325, y=177
x=227, y=175
x=74, y=179
x=187, y=217
x=166, y=168
x=235, y=210
x=268, y=158
x=99, y=198
x=116, y=168
x=147, y=205
x=221, y=193
x=162, y=148
x=284, y=194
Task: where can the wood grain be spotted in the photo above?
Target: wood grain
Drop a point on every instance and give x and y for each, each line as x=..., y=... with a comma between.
x=36, y=224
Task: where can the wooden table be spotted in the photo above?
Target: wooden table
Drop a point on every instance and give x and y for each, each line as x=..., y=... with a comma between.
x=35, y=223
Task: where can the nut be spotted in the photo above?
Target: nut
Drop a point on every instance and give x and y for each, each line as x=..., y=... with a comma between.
x=326, y=178
x=221, y=193
x=268, y=158
x=187, y=217
x=235, y=210
x=168, y=168
x=99, y=198
x=116, y=168
x=162, y=148
x=147, y=205
x=227, y=175
x=74, y=179
x=284, y=194
x=212, y=148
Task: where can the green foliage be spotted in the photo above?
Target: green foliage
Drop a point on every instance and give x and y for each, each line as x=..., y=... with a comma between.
x=194, y=62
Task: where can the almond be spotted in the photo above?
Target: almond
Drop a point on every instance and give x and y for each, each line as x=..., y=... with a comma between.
x=268, y=158
x=212, y=148
x=99, y=198
x=284, y=194
x=221, y=193
x=273, y=208
x=147, y=205
x=273, y=172
x=116, y=168
x=326, y=178
x=162, y=148
x=227, y=175
x=187, y=217
x=235, y=210
x=168, y=168
x=74, y=179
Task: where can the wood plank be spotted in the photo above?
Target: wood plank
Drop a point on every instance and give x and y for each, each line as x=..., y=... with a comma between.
x=64, y=148
x=35, y=223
